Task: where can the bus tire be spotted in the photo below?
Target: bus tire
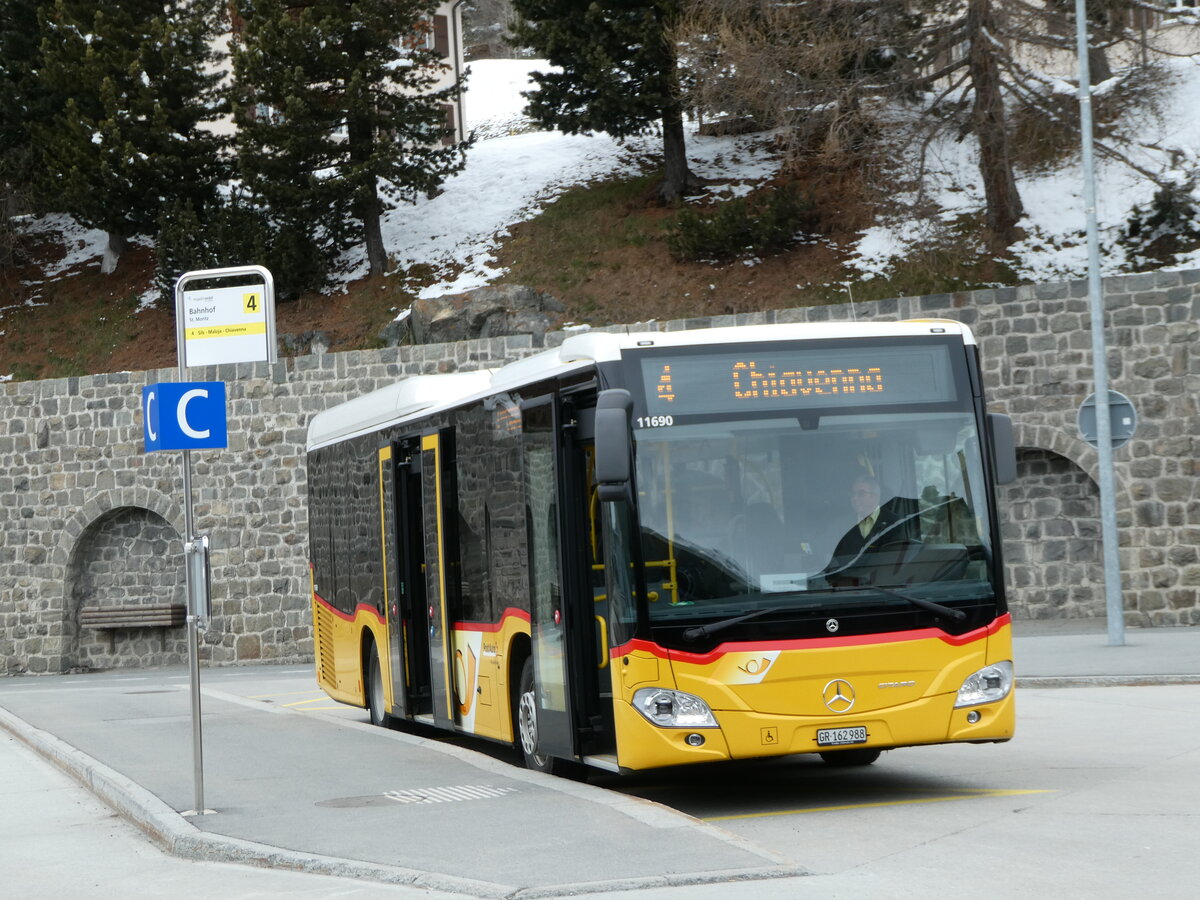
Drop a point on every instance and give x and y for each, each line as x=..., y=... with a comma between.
x=527, y=730
x=847, y=758
x=375, y=701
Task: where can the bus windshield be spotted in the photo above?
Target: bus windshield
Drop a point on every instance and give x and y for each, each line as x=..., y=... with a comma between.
x=754, y=520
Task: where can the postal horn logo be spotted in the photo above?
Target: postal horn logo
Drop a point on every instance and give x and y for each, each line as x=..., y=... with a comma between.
x=756, y=666
x=838, y=696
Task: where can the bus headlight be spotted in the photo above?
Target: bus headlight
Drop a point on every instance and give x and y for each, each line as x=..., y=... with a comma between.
x=989, y=684
x=673, y=709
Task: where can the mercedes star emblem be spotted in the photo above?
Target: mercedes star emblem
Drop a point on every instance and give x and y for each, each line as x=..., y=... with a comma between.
x=831, y=625
x=838, y=696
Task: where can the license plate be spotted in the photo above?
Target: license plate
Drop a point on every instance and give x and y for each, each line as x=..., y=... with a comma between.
x=837, y=737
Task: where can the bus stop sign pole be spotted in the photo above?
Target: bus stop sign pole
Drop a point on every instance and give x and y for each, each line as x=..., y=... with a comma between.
x=221, y=316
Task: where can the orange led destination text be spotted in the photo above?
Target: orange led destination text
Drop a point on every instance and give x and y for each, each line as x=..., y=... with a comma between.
x=751, y=382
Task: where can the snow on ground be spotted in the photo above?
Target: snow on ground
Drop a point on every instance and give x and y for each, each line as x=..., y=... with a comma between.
x=1054, y=204
x=509, y=178
x=514, y=170
x=80, y=244
x=1055, y=219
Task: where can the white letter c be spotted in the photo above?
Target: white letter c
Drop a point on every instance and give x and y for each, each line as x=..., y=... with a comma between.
x=149, y=417
x=181, y=414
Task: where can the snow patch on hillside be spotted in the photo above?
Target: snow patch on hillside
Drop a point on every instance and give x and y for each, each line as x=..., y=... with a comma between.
x=513, y=171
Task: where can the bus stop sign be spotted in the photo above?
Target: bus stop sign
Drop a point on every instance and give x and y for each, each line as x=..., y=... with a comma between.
x=1121, y=414
x=184, y=415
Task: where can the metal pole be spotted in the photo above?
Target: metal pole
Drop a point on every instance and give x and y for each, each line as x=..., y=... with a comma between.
x=189, y=537
x=1114, y=604
x=193, y=638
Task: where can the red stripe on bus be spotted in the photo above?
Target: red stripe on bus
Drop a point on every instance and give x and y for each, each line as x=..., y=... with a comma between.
x=858, y=640
x=491, y=627
x=361, y=608
x=987, y=631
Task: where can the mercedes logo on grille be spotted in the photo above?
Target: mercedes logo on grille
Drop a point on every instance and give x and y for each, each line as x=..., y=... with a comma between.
x=831, y=625
x=838, y=696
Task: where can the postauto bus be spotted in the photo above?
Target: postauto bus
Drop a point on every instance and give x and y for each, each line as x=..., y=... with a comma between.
x=638, y=550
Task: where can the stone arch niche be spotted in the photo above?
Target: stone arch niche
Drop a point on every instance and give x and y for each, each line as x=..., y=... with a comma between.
x=1053, y=553
x=125, y=552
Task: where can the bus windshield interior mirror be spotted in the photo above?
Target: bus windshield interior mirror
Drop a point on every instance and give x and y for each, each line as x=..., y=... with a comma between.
x=613, y=443
x=1004, y=448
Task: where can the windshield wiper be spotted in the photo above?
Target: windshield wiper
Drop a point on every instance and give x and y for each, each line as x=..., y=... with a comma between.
x=713, y=627
x=949, y=612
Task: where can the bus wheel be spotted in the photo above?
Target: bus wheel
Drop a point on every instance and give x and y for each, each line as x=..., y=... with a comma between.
x=850, y=757
x=527, y=727
x=375, y=702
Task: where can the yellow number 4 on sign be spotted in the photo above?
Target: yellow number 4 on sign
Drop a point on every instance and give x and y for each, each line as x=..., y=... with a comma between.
x=251, y=303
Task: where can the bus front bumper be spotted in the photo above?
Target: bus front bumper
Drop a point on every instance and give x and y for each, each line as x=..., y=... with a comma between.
x=744, y=734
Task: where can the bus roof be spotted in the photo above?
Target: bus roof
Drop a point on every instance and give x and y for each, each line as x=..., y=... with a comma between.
x=425, y=394
x=392, y=403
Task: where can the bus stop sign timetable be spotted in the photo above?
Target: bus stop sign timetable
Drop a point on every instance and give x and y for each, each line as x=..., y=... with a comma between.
x=225, y=324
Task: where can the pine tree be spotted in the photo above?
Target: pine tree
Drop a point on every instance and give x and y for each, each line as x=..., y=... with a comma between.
x=338, y=114
x=619, y=73
x=138, y=80
x=23, y=99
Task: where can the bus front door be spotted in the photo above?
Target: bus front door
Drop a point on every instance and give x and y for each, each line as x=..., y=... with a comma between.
x=562, y=614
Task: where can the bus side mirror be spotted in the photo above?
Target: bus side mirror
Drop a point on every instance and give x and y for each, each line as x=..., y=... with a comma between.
x=613, y=443
x=1004, y=448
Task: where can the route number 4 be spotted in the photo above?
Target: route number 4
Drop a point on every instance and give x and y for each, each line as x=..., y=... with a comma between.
x=251, y=303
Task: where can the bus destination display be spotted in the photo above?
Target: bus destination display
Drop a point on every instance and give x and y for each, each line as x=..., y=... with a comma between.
x=796, y=379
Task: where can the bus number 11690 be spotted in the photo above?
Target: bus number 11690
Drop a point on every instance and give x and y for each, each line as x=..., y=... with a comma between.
x=655, y=421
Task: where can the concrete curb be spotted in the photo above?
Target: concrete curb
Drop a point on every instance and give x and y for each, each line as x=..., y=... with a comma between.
x=1065, y=681
x=179, y=837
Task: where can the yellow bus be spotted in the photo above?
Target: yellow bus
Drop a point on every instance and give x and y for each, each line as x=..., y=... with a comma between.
x=653, y=549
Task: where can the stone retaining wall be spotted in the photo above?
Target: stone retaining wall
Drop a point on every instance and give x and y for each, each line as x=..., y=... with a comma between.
x=85, y=514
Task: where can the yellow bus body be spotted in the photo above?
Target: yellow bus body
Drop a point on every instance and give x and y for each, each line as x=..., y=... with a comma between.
x=338, y=651
x=768, y=700
x=480, y=673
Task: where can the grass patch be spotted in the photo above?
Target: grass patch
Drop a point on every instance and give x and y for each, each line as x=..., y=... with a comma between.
x=582, y=234
x=757, y=225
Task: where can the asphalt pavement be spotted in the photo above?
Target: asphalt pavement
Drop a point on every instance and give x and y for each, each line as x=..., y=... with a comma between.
x=319, y=803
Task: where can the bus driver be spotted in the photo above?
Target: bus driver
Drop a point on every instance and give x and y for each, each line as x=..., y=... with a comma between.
x=873, y=521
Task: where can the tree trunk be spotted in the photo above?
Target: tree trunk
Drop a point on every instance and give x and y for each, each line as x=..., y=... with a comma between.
x=369, y=212
x=678, y=180
x=1098, y=68
x=366, y=205
x=1004, y=208
x=117, y=244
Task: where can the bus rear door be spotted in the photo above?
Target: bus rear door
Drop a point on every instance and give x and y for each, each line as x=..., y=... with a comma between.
x=408, y=617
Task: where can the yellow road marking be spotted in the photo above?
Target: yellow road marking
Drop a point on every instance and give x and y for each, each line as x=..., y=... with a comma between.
x=320, y=699
x=963, y=795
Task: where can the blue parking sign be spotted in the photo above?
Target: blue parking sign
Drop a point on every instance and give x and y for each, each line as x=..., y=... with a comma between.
x=184, y=415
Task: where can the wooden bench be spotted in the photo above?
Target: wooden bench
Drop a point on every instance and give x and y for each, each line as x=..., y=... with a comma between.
x=149, y=615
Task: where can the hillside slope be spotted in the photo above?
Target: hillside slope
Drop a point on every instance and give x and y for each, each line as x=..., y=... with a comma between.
x=572, y=215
